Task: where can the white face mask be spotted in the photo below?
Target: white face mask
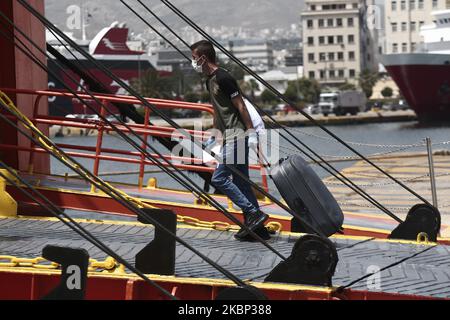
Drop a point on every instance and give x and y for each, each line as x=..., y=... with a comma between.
x=197, y=68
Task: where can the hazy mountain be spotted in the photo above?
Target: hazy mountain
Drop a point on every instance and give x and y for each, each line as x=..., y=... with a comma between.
x=255, y=14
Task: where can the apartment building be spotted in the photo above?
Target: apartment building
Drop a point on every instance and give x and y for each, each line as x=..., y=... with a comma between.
x=337, y=43
x=403, y=20
x=255, y=53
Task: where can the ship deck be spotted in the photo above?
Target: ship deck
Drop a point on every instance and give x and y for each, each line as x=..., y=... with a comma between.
x=360, y=217
x=421, y=269
x=180, y=199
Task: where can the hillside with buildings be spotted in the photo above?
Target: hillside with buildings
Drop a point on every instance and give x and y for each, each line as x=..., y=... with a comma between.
x=333, y=42
x=248, y=14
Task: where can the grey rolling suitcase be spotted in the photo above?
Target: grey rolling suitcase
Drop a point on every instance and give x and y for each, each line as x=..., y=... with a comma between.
x=306, y=194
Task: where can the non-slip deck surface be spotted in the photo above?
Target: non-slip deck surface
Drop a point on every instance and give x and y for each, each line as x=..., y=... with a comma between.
x=185, y=198
x=425, y=274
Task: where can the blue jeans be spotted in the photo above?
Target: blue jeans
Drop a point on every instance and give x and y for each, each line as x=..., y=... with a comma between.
x=235, y=155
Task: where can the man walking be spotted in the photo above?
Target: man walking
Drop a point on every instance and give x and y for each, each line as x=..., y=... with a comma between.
x=233, y=121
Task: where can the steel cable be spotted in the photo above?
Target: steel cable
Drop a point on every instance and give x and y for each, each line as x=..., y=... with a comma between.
x=353, y=186
x=282, y=97
x=189, y=185
x=75, y=226
x=171, y=122
x=119, y=198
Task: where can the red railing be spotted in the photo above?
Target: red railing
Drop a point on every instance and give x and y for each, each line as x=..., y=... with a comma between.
x=145, y=130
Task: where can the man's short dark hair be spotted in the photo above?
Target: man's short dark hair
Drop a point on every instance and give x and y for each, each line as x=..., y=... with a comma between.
x=205, y=48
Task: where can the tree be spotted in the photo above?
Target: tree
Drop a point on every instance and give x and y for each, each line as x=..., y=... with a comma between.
x=387, y=92
x=268, y=97
x=292, y=92
x=254, y=86
x=152, y=85
x=249, y=87
x=367, y=81
x=347, y=86
x=307, y=90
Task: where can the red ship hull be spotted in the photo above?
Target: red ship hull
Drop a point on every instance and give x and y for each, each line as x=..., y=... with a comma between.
x=424, y=80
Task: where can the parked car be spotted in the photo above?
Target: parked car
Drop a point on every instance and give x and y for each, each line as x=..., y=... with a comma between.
x=373, y=106
x=313, y=109
x=401, y=105
x=284, y=108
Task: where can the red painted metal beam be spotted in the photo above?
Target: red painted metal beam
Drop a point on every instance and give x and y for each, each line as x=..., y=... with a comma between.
x=18, y=71
x=33, y=285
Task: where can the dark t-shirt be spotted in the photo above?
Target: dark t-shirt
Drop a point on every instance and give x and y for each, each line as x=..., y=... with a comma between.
x=222, y=88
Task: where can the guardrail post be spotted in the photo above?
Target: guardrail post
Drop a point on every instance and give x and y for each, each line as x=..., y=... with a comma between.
x=98, y=147
x=144, y=146
x=432, y=176
x=32, y=145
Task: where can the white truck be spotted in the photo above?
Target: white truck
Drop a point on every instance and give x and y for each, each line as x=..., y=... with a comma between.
x=342, y=103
